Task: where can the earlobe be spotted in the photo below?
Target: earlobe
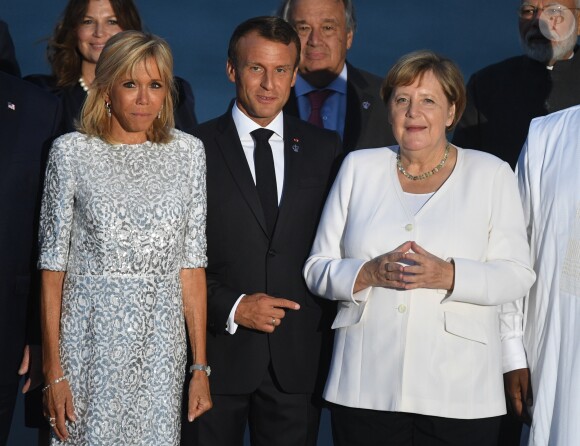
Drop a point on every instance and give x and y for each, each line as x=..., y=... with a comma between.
x=294, y=77
x=349, y=37
x=451, y=116
x=231, y=71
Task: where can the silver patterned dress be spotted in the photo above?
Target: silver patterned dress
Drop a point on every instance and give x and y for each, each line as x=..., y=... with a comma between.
x=122, y=221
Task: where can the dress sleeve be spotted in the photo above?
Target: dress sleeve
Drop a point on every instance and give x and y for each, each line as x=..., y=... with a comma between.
x=195, y=245
x=56, y=213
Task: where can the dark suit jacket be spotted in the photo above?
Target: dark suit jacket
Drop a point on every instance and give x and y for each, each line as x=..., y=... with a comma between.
x=28, y=120
x=243, y=260
x=503, y=98
x=366, y=123
x=73, y=98
x=8, y=62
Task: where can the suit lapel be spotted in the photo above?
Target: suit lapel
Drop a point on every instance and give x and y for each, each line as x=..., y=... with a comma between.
x=292, y=161
x=10, y=108
x=353, y=117
x=230, y=146
x=359, y=102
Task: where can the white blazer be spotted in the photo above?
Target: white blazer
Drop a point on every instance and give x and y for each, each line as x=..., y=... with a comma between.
x=421, y=351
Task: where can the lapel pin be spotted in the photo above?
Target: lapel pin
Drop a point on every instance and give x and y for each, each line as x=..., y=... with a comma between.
x=11, y=106
x=295, y=146
x=366, y=105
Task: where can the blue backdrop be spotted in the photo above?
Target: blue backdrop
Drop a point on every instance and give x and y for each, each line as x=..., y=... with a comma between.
x=474, y=34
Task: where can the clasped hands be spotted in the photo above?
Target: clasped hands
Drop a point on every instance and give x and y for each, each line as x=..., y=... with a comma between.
x=407, y=267
x=262, y=312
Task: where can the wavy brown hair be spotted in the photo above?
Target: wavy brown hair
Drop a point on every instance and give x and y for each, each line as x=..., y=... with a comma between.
x=122, y=53
x=63, y=55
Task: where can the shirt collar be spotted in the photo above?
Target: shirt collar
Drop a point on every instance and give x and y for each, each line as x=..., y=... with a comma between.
x=338, y=85
x=551, y=67
x=245, y=125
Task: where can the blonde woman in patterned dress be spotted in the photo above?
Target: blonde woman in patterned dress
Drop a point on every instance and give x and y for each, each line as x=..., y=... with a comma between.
x=122, y=254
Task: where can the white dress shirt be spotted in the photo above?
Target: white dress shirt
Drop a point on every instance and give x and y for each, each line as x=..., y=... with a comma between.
x=333, y=111
x=245, y=126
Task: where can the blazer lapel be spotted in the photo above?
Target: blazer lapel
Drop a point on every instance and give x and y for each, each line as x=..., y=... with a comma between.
x=10, y=109
x=353, y=117
x=229, y=144
x=292, y=163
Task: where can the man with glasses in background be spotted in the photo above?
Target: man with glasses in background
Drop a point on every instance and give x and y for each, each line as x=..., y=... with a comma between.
x=504, y=97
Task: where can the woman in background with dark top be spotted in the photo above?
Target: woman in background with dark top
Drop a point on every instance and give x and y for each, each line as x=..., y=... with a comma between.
x=75, y=47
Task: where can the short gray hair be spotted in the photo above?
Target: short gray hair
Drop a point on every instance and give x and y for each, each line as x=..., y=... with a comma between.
x=286, y=6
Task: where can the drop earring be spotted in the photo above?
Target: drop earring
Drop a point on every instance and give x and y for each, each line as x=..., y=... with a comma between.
x=159, y=114
x=108, y=107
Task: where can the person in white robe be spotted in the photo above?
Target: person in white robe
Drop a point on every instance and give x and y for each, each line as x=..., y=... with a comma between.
x=549, y=180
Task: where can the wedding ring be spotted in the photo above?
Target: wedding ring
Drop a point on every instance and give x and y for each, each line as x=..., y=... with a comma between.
x=273, y=322
x=51, y=419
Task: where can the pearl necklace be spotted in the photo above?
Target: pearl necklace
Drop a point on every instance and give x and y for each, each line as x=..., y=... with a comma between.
x=85, y=86
x=425, y=175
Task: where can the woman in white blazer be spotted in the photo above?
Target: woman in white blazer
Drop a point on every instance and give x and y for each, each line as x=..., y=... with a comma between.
x=420, y=244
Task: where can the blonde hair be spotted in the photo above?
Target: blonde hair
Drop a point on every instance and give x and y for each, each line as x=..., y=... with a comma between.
x=414, y=65
x=122, y=53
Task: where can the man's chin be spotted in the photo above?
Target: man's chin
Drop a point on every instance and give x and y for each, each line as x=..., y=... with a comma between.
x=545, y=51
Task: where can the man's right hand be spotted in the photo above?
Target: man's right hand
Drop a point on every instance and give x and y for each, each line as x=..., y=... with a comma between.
x=518, y=390
x=262, y=312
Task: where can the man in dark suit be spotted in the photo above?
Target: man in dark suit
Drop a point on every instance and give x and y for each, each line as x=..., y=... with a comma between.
x=29, y=119
x=267, y=178
x=8, y=62
x=503, y=98
x=329, y=91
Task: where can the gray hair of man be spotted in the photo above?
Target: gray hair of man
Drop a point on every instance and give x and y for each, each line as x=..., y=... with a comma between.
x=285, y=8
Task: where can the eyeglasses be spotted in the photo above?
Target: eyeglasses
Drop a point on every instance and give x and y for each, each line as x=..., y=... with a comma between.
x=528, y=12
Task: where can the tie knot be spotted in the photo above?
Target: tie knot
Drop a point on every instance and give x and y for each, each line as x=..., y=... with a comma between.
x=317, y=98
x=262, y=134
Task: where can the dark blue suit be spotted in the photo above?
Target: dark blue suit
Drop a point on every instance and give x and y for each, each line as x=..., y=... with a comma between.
x=29, y=119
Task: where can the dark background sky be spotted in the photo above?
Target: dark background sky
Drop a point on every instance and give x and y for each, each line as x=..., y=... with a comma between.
x=473, y=33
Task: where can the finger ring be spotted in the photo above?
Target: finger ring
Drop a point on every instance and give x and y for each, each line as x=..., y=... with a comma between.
x=273, y=322
x=53, y=425
x=51, y=419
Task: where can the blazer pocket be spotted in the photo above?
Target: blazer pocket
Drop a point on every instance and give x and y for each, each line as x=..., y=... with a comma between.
x=464, y=327
x=348, y=314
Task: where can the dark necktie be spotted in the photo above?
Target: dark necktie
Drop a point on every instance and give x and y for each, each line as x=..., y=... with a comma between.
x=266, y=176
x=317, y=98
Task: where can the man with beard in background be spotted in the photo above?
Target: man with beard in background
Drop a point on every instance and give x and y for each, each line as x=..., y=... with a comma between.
x=504, y=97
